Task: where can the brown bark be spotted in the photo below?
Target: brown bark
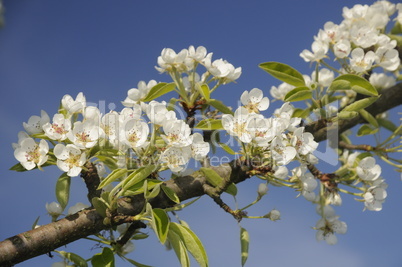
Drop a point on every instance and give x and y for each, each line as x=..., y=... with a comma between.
x=49, y=237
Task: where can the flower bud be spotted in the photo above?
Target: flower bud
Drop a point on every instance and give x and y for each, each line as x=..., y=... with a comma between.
x=273, y=215
x=262, y=189
x=54, y=209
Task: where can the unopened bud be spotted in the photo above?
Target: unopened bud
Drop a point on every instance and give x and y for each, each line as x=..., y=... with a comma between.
x=273, y=215
x=54, y=209
x=262, y=189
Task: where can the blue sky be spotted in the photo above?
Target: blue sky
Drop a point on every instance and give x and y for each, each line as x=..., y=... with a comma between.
x=103, y=48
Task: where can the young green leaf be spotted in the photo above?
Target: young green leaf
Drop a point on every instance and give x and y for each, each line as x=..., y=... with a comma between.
x=209, y=124
x=138, y=175
x=389, y=125
x=284, y=72
x=113, y=176
x=361, y=104
x=103, y=259
x=366, y=129
x=160, y=224
x=298, y=94
x=369, y=118
x=203, y=90
x=347, y=115
x=179, y=248
x=100, y=205
x=18, y=168
x=216, y=180
x=355, y=83
x=63, y=189
x=159, y=90
x=244, y=244
x=72, y=257
x=137, y=264
x=227, y=148
x=171, y=194
x=191, y=242
x=220, y=106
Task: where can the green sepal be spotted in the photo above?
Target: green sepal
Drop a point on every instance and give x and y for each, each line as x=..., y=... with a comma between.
x=203, y=90
x=284, y=72
x=387, y=124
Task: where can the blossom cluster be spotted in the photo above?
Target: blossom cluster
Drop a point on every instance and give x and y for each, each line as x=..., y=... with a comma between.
x=359, y=44
x=124, y=130
x=277, y=137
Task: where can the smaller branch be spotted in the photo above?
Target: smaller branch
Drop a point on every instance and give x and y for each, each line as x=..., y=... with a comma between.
x=92, y=181
x=343, y=144
x=327, y=179
x=130, y=232
x=212, y=192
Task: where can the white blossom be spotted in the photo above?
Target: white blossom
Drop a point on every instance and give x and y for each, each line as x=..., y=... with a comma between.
x=360, y=61
x=368, y=170
x=281, y=153
x=58, y=129
x=74, y=106
x=54, y=209
x=319, y=51
x=70, y=159
x=35, y=123
x=176, y=158
x=177, y=133
x=85, y=134
x=254, y=101
x=262, y=189
x=76, y=208
x=222, y=69
x=342, y=48
x=381, y=80
x=169, y=60
x=158, y=113
x=136, y=95
x=236, y=125
x=281, y=91
x=30, y=154
x=387, y=58
x=199, y=147
x=135, y=133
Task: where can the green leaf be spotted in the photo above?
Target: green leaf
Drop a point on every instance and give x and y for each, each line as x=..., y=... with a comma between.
x=301, y=113
x=159, y=90
x=389, y=125
x=137, y=264
x=227, y=148
x=209, y=124
x=179, y=248
x=397, y=29
x=35, y=223
x=100, y=205
x=63, y=190
x=216, y=180
x=244, y=244
x=369, y=118
x=154, y=191
x=171, y=194
x=355, y=83
x=298, y=94
x=366, y=129
x=138, y=175
x=284, y=72
x=113, y=176
x=104, y=259
x=347, y=115
x=108, y=161
x=220, y=106
x=204, y=90
x=160, y=224
x=74, y=258
x=361, y=104
x=171, y=105
x=191, y=242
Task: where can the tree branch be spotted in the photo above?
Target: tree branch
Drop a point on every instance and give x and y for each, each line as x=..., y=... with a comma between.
x=389, y=99
x=88, y=222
